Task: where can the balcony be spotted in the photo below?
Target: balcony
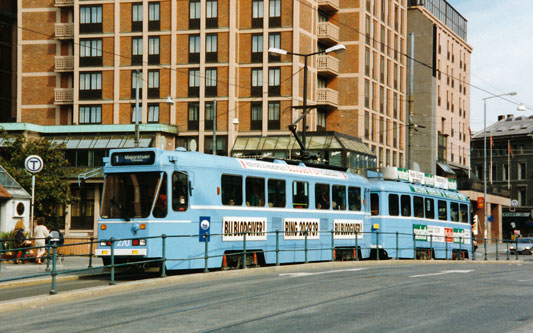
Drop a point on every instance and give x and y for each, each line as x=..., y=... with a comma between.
x=64, y=30
x=328, y=33
x=327, y=96
x=64, y=63
x=63, y=95
x=64, y=3
x=329, y=6
x=327, y=65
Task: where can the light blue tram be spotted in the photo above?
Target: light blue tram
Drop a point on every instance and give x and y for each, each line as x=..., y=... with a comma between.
x=186, y=195
x=419, y=215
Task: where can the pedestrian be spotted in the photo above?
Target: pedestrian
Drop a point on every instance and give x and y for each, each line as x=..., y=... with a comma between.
x=41, y=232
x=20, y=242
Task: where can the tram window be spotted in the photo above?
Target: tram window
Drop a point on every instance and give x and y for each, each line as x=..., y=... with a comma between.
x=443, y=211
x=454, y=211
x=255, y=192
x=418, y=206
x=374, y=204
x=180, y=191
x=394, y=205
x=463, y=213
x=231, y=190
x=321, y=196
x=406, y=205
x=160, y=207
x=354, y=198
x=276, y=193
x=430, y=209
x=300, y=194
x=338, y=194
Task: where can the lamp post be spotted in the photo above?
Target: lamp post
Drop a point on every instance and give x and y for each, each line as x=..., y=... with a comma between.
x=485, y=217
x=335, y=48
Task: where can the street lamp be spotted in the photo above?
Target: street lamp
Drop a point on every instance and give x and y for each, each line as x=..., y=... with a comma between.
x=276, y=51
x=521, y=107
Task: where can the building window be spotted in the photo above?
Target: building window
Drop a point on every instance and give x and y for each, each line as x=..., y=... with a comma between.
x=194, y=49
x=256, y=116
x=192, y=120
x=153, y=83
x=522, y=170
x=522, y=196
x=134, y=84
x=153, y=16
x=257, y=82
x=212, y=14
x=209, y=115
x=210, y=81
x=274, y=19
x=136, y=112
x=257, y=13
x=367, y=125
x=136, y=50
x=211, y=48
x=274, y=40
x=194, y=14
x=91, y=52
x=153, y=50
x=90, y=19
x=153, y=113
x=221, y=146
x=91, y=85
x=257, y=48
x=321, y=121
x=273, y=116
x=82, y=210
x=505, y=172
x=194, y=82
x=137, y=17
x=274, y=81
x=90, y=114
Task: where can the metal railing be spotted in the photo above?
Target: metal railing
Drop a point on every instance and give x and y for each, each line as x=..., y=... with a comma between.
x=429, y=244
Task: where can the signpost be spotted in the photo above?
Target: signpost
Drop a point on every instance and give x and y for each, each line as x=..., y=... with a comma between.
x=34, y=164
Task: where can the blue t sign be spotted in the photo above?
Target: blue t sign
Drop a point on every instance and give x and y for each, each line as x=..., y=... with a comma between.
x=205, y=227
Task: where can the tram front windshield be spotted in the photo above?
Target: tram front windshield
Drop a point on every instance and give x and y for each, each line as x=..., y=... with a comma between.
x=129, y=195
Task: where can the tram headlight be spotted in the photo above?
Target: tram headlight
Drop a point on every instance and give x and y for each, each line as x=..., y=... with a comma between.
x=103, y=243
x=142, y=242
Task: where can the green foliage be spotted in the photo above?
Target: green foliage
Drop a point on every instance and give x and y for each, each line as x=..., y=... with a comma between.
x=7, y=238
x=51, y=184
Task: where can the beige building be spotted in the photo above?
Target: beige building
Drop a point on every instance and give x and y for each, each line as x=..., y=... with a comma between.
x=440, y=117
x=199, y=60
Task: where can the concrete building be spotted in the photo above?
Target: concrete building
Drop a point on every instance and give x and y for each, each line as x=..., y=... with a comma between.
x=199, y=60
x=509, y=169
x=438, y=133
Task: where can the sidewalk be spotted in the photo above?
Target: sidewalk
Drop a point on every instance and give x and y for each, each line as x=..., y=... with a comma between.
x=9, y=270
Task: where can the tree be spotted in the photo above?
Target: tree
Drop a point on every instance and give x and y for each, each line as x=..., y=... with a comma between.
x=51, y=184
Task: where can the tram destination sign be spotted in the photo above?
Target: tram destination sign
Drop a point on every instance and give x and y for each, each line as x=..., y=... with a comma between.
x=133, y=158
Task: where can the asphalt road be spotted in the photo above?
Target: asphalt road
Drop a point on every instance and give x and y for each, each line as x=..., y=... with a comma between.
x=326, y=297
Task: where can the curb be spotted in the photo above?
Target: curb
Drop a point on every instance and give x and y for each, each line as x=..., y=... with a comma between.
x=93, y=292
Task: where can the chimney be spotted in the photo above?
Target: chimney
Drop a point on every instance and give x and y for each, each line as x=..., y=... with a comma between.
x=501, y=117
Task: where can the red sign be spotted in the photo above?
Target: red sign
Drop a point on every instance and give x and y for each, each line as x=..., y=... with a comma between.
x=480, y=202
x=448, y=235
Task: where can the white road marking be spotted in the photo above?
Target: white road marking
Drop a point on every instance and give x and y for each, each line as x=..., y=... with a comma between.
x=444, y=272
x=318, y=273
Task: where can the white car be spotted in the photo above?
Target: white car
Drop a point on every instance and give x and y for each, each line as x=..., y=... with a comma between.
x=523, y=245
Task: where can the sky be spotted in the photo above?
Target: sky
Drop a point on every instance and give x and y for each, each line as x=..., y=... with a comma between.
x=501, y=35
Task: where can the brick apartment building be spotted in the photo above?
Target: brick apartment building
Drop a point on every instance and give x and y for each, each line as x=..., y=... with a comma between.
x=77, y=63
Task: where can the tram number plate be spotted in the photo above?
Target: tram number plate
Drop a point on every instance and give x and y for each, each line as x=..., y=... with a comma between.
x=124, y=243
